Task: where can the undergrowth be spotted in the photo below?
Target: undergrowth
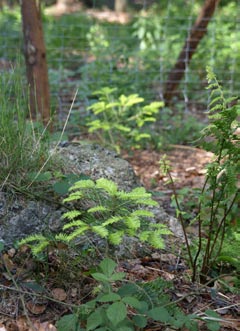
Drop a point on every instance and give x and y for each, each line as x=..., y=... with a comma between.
x=219, y=196
x=103, y=210
x=23, y=143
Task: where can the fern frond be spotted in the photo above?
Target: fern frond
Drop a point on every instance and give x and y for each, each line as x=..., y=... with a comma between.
x=71, y=214
x=142, y=212
x=160, y=228
x=77, y=233
x=73, y=197
x=112, y=220
x=32, y=238
x=37, y=242
x=132, y=222
x=147, y=202
x=135, y=195
x=144, y=235
x=156, y=240
x=39, y=248
x=107, y=185
x=63, y=237
x=115, y=238
x=100, y=230
x=83, y=184
x=98, y=209
x=77, y=223
x=217, y=99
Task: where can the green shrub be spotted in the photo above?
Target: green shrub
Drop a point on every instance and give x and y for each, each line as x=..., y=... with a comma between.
x=129, y=307
x=220, y=193
x=121, y=122
x=23, y=143
x=109, y=213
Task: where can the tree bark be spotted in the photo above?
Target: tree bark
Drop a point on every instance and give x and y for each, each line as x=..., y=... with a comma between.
x=197, y=32
x=35, y=58
x=120, y=6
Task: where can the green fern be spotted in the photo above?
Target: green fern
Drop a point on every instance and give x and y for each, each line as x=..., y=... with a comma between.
x=108, y=186
x=72, y=214
x=220, y=193
x=37, y=243
x=121, y=121
x=112, y=215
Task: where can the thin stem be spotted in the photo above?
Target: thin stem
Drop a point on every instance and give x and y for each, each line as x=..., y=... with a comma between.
x=222, y=226
x=207, y=255
x=181, y=220
x=199, y=233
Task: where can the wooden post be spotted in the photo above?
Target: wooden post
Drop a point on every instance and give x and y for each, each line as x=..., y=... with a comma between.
x=197, y=32
x=35, y=58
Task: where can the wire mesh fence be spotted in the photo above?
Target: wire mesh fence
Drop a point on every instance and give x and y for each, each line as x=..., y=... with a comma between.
x=135, y=52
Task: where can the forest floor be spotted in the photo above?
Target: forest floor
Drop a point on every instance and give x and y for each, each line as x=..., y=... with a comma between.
x=34, y=298
x=187, y=169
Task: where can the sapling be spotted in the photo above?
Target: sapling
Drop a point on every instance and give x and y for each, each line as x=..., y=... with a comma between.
x=220, y=192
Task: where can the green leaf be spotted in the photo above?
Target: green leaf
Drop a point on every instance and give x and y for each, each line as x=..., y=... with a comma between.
x=124, y=328
x=83, y=184
x=97, y=209
x=212, y=320
x=107, y=185
x=61, y=187
x=140, y=321
x=143, y=213
x=132, y=222
x=73, y=197
x=117, y=312
x=133, y=302
x=127, y=290
x=107, y=266
x=42, y=177
x=112, y=220
x=116, y=237
x=68, y=322
x=109, y=297
x=1, y=246
x=34, y=287
x=72, y=214
x=100, y=277
x=100, y=230
x=213, y=326
x=94, y=320
x=159, y=314
x=117, y=276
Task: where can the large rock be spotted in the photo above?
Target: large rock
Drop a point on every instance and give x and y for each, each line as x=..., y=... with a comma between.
x=97, y=162
x=21, y=216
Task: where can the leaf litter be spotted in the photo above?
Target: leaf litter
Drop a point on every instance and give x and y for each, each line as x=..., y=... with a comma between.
x=29, y=304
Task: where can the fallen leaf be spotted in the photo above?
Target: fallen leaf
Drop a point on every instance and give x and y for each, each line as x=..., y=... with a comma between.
x=74, y=292
x=45, y=326
x=35, y=308
x=59, y=294
x=11, y=326
x=11, y=252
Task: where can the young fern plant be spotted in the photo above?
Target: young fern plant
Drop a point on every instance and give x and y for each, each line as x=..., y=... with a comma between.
x=104, y=210
x=220, y=192
x=121, y=121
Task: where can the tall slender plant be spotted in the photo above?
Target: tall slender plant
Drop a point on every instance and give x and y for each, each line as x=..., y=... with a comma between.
x=220, y=191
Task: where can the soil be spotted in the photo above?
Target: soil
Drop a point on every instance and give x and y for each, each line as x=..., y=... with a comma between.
x=33, y=298
x=187, y=169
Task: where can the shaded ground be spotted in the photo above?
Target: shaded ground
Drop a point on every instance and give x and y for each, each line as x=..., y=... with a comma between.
x=187, y=164
x=30, y=303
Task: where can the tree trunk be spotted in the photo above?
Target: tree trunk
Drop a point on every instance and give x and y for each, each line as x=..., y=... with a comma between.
x=35, y=58
x=120, y=6
x=197, y=32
